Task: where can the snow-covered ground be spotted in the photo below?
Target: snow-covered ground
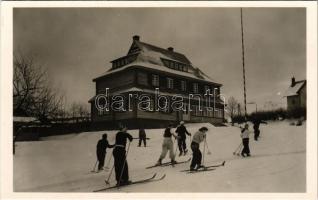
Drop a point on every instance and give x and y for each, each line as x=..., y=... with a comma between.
x=63, y=163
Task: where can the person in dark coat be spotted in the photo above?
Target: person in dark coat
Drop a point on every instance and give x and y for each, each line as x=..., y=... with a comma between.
x=120, y=160
x=101, y=147
x=256, y=124
x=182, y=131
x=142, y=136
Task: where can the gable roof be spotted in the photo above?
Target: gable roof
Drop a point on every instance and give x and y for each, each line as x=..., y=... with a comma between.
x=150, y=56
x=172, y=55
x=294, y=90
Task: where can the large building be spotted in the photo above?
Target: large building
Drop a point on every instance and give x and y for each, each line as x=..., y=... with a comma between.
x=151, y=70
x=296, y=94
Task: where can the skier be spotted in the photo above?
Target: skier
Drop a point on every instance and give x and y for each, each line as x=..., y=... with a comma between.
x=101, y=147
x=120, y=160
x=142, y=136
x=197, y=138
x=256, y=123
x=182, y=131
x=245, y=140
x=167, y=145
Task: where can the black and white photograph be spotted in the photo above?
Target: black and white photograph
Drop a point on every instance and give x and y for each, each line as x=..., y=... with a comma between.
x=161, y=100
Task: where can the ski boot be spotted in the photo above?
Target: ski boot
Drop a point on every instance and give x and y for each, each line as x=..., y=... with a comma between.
x=193, y=169
x=180, y=154
x=121, y=183
x=200, y=167
x=159, y=162
x=185, y=151
x=173, y=162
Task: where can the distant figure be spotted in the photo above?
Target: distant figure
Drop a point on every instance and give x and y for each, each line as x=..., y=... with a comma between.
x=120, y=160
x=182, y=131
x=167, y=145
x=101, y=147
x=245, y=140
x=142, y=136
x=198, y=137
x=256, y=123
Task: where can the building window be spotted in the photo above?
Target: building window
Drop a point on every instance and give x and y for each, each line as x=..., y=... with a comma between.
x=171, y=64
x=183, y=85
x=210, y=112
x=170, y=83
x=177, y=66
x=206, y=88
x=155, y=80
x=195, y=88
x=185, y=109
x=184, y=68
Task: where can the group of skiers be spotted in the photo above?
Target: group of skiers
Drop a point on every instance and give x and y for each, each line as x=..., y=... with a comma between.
x=120, y=153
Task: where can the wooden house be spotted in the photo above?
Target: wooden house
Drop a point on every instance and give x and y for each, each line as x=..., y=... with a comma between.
x=143, y=69
x=296, y=95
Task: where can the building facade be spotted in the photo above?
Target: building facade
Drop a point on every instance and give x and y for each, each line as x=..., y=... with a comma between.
x=152, y=77
x=296, y=95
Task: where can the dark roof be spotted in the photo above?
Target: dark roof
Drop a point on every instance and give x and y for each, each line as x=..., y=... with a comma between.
x=171, y=54
x=151, y=56
x=294, y=90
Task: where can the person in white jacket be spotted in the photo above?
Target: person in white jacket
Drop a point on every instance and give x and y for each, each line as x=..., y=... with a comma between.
x=245, y=140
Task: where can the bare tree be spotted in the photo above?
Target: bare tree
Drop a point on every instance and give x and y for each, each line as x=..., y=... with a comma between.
x=32, y=94
x=232, y=105
x=79, y=110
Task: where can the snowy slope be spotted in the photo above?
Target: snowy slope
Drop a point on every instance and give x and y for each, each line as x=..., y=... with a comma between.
x=63, y=163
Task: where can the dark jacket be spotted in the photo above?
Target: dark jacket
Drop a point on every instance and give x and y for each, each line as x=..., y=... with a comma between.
x=257, y=122
x=142, y=133
x=167, y=133
x=102, y=145
x=121, y=138
x=182, y=131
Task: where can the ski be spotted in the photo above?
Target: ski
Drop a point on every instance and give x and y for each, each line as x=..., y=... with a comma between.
x=207, y=167
x=95, y=172
x=220, y=165
x=201, y=170
x=151, y=179
x=168, y=164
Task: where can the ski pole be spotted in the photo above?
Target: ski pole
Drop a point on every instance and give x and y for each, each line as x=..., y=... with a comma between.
x=203, y=150
x=94, y=166
x=175, y=151
x=125, y=159
x=236, y=150
x=111, y=171
x=209, y=152
x=138, y=138
x=109, y=161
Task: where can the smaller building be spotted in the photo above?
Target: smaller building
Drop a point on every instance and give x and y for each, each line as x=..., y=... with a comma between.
x=296, y=95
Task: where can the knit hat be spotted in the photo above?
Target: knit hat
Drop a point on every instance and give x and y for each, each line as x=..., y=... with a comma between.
x=203, y=129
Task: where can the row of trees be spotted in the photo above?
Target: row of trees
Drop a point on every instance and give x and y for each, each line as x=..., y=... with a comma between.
x=275, y=113
x=34, y=96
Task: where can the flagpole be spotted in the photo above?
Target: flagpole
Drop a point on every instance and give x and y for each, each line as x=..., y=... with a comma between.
x=243, y=62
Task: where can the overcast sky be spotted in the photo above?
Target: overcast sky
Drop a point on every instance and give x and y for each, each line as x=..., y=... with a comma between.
x=76, y=45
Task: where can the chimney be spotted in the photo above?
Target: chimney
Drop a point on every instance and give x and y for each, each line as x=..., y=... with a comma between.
x=293, y=82
x=170, y=48
x=136, y=38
